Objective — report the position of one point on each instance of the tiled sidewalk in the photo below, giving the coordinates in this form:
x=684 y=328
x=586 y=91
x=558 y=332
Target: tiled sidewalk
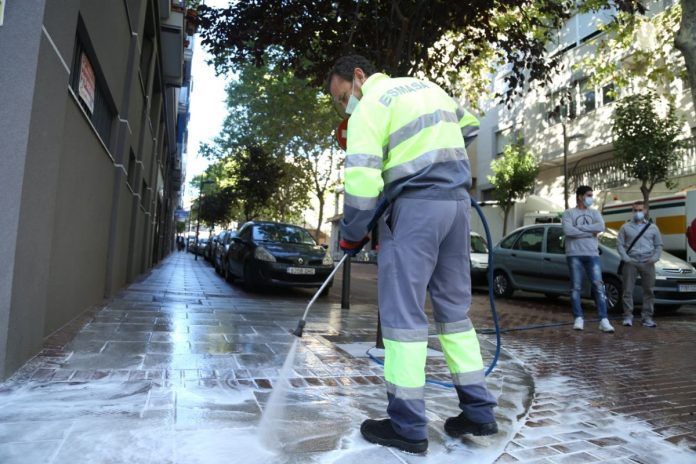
x=178 y=368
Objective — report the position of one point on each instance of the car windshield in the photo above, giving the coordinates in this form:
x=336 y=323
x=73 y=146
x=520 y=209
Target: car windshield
x=282 y=234
x=608 y=238
x=478 y=244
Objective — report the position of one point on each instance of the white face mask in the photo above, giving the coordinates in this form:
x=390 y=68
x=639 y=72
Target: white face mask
x=639 y=216
x=588 y=201
x=352 y=101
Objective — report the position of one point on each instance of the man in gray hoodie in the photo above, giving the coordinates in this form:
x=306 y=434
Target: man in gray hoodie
x=581 y=226
x=639 y=260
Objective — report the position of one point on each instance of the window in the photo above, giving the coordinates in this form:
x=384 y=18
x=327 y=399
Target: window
x=131 y=170
x=502 y=139
x=555 y=241
x=487 y=194
x=87 y=83
x=507 y=242
x=608 y=94
x=143 y=195
x=506 y=137
x=282 y=234
x=478 y=244
x=530 y=240
x=587 y=96
x=562 y=105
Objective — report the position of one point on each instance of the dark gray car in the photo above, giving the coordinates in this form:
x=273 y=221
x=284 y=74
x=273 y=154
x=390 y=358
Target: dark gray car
x=533 y=259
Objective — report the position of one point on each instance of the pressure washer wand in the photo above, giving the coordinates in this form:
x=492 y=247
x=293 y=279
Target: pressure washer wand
x=381 y=208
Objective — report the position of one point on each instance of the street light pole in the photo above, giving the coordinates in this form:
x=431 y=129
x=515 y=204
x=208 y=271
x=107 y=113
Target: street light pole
x=566 y=142
x=198 y=213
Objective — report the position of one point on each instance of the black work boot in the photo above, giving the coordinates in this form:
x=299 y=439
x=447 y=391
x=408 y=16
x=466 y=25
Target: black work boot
x=382 y=433
x=460 y=425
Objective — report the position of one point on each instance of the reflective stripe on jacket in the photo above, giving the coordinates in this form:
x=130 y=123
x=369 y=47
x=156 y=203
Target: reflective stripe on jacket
x=406 y=138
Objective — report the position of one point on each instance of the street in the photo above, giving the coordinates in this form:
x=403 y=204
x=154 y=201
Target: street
x=179 y=367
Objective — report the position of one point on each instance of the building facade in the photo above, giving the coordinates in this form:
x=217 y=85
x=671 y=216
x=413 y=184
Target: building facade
x=91 y=166
x=573 y=139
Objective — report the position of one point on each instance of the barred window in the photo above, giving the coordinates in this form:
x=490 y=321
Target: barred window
x=88 y=84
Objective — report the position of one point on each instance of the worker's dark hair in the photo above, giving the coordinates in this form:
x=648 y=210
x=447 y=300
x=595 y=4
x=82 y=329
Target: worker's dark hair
x=344 y=67
x=639 y=202
x=582 y=190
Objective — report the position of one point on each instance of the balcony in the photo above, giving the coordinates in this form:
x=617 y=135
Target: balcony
x=608 y=174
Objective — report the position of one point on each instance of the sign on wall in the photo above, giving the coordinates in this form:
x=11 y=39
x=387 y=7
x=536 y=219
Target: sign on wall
x=87 y=83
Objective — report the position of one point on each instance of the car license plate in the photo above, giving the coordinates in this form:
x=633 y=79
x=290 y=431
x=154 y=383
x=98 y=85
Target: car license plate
x=687 y=288
x=301 y=270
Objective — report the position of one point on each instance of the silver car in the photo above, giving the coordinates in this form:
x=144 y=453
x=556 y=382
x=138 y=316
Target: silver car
x=533 y=259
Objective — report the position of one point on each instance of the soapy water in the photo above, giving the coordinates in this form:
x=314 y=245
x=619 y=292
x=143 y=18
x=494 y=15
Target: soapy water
x=274 y=411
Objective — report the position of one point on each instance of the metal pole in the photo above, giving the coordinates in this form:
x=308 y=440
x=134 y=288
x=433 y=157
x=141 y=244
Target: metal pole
x=198 y=218
x=565 y=166
x=345 y=291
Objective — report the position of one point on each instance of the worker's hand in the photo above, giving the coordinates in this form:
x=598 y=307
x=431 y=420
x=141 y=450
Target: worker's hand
x=352 y=248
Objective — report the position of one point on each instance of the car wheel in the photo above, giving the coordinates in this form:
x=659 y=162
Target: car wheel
x=226 y=274
x=502 y=287
x=327 y=290
x=612 y=291
x=249 y=283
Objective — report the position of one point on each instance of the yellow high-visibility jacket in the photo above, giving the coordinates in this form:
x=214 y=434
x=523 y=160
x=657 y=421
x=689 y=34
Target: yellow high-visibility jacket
x=406 y=138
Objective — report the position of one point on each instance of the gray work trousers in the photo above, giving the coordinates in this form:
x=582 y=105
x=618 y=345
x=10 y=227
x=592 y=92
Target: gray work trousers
x=647 y=276
x=424 y=246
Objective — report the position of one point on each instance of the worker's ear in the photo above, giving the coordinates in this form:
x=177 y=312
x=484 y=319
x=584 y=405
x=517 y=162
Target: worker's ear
x=359 y=75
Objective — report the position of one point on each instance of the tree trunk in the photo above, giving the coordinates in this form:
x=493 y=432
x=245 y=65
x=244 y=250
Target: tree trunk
x=506 y=211
x=321 y=216
x=646 y=198
x=685 y=42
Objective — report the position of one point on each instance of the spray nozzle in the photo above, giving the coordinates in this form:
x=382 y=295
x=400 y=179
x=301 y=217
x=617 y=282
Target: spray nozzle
x=300 y=328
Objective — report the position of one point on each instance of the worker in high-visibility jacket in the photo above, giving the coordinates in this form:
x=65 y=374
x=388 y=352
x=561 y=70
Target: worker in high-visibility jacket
x=406 y=141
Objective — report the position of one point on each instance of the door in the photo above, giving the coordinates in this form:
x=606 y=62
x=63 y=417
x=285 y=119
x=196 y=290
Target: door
x=526 y=259
x=554 y=261
x=238 y=250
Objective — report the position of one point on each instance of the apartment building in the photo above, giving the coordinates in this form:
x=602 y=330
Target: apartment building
x=94 y=122
x=573 y=138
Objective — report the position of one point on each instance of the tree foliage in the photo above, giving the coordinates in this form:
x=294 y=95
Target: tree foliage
x=514 y=174
x=645 y=142
x=270 y=108
x=638 y=50
x=437 y=38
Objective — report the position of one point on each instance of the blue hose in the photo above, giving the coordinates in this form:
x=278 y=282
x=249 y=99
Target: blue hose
x=491 y=299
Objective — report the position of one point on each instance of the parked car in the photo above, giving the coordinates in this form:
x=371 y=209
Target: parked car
x=533 y=259
x=208 y=249
x=220 y=248
x=271 y=253
x=200 y=248
x=478 y=259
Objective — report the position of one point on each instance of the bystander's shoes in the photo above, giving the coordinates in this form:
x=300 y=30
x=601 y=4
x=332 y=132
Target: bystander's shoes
x=605 y=326
x=628 y=322
x=579 y=323
x=648 y=322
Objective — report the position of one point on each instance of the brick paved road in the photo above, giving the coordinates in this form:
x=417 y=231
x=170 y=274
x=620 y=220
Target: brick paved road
x=179 y=366
x=595 y=392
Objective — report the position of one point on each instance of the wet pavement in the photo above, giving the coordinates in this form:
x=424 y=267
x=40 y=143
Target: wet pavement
x=179 y=367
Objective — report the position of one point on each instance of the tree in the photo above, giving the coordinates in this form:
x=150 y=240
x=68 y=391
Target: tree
x=256 y=180
x=437 y=38
x=685 y=41
x=514 y=174
x=645 y=142
x=270 y=107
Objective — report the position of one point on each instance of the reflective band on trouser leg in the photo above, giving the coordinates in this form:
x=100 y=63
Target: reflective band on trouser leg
x=463 y=356
x=404 y=372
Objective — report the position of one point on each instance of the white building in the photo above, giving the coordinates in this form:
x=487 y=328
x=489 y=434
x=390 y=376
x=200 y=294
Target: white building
x=590 y=157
